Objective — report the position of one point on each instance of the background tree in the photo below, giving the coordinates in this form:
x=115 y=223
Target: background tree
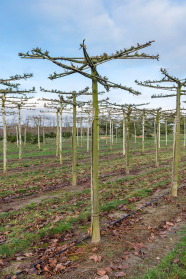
x=177 y=87
x=12 y=88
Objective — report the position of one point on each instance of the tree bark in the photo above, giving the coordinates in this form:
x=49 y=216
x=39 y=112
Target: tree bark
x=110 y=133
x=17 y=136
x=43 y=136
x=166 y=131
x=4 y=134
x=60 y=135
x=20 y=141
x=134 y=132
x=157 y=138
x=143 y=132
x=88 y=123
x=74 y=163
x=106 y=132
x=95 y=229
x=81 y=133
x=57 y=134
x=184 y=132
x=38 y=134
x=176 y=143
x=25 y=137
x=127 y=143
x=123 y=133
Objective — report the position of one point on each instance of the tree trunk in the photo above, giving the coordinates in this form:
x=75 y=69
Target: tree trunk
x=74 y=142
x=166 y=131
x=43 y=136
x=98 y=134
x=38 y=135
x=25 y=137
x=81 y=133
x=57 y=134
x=88 y=123
x=4 y=134
x=159 y=134
x=20 y=142
x=110 y=134
x=157 y=138
x=184 y=132
x=123 y=133
x=95 y=230
x=106 y=132
x=176 y=143
x=154 y=133
x=134 y=132
x=60 y=135
x=17 y=136
x=127 y=143
x=77 y=135
x=143 y=132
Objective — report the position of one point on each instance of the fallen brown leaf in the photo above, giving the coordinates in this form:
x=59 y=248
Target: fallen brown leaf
x=96 y=258
x=101 y=271
x=103 y=277
x=119 y=274
x=126 y=266
x=176 y=260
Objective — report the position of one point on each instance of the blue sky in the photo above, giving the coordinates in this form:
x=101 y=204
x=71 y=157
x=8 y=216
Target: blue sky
x=107 y=25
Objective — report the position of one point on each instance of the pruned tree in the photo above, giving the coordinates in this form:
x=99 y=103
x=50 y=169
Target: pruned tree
x=12 y=88
x=88 y=62
x=178 y=91
x=20 y=103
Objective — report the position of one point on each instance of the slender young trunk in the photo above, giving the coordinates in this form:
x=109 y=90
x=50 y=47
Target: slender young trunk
x=143 y=133
x=166 y=131
x=159 y=134
x=57 y=134
x=110 y=134
x=77 y=135
x=154 y=133
x=25 y=137
x=43 y=136
x=4 y=134
x=95 y=230
x=123 y=133
x=74 y=142
x=176 y=144
x=60 y=135
x=98 y=134
x=116 y=135
x=127 y=143
x=134 y=132
x=81 y=133
x=106 y=132
x=184 y=131
x=17 y=136
x=20 y=142
x=38 y=135
x=88 y=123
x=157 y=138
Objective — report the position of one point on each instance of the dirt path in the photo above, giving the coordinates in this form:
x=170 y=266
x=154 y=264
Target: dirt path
x=36 y=198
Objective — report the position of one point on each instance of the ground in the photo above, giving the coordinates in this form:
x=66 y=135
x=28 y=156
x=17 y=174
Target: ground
x=42 y=214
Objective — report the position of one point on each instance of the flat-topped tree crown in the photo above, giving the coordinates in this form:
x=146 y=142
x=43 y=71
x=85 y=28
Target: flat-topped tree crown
x=90 y=62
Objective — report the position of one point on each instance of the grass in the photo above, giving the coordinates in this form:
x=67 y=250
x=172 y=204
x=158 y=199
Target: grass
x=173 y=265
x=23 y=223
